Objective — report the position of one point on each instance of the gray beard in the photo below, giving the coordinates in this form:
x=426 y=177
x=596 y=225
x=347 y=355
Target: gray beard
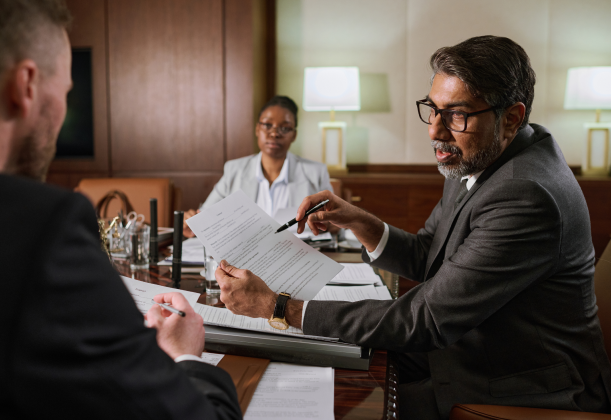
x=478 y=162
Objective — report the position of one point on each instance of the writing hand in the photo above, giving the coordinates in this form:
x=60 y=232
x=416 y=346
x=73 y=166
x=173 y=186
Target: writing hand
x=367 y=228
x=177 y=335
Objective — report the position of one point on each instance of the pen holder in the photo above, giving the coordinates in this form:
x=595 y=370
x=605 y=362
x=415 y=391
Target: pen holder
x=138 y=247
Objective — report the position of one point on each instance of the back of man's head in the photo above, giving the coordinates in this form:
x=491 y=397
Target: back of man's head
x=493 y=68
x=32 y=29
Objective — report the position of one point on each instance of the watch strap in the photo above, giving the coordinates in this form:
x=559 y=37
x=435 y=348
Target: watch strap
x=280 y=307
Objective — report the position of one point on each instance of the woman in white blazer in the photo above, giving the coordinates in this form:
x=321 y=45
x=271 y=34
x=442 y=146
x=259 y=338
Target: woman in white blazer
x=274 y=178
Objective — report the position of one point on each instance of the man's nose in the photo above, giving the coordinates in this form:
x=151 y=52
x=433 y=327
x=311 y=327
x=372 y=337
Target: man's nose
x=438 y=131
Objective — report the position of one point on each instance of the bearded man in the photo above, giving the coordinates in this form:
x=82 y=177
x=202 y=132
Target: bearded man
x=73 y=344
x=505 y=313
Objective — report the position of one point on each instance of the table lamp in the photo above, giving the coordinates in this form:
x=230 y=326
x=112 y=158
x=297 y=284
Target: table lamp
x=332 y=89
x=590 y=88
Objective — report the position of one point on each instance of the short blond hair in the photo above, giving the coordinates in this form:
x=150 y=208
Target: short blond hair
x=32 y=29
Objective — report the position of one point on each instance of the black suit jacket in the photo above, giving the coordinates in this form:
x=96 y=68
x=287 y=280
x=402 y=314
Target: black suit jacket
x=506 y=310
x=72 y=343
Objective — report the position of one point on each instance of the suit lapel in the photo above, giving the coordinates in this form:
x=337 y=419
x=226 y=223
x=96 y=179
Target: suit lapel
x=298 y=183
x=450 y=214
x=249 y=183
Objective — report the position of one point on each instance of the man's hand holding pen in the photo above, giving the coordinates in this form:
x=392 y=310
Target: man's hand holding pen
x=337 y=212
x=177 y=335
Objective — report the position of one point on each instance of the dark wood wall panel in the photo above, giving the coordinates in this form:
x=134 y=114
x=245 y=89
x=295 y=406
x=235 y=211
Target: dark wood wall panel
x=239 y=120
x=598 y=196
x=406 y=199
x=166 y=84
x=89 y=30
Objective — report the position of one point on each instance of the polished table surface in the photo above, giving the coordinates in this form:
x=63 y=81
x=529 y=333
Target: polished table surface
x=358 y=394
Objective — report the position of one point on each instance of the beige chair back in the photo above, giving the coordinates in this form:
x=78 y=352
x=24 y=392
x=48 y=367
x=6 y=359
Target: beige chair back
x=139 y=191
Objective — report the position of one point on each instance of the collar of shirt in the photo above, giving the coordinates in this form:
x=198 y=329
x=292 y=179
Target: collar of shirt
x=282 y=178
x=471 y=179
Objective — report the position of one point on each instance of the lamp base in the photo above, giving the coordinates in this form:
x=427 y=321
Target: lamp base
x=596 y=160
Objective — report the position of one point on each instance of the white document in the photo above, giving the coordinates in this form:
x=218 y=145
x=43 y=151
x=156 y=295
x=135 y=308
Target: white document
x=347 y=293
x=211 y=358
x=223 y=317
x=142 y=293
x=288 y=391
x=360 y=273
x=192 y=253
x=237 y=230
x=383 y=293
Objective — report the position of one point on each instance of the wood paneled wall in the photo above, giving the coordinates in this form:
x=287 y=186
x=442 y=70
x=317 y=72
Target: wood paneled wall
x=405 y=195
x=173 y=90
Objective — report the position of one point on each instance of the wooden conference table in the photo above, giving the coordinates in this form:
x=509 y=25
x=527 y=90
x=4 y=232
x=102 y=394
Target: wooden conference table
x=361 y=395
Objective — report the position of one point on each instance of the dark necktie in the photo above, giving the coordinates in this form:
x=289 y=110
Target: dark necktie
x=461 y=192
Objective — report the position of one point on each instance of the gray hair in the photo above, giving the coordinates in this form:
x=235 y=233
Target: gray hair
x=493 y=68
x=32 y=29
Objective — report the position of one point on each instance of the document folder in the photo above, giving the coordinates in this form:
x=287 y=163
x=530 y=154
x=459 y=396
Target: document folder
x=283 y=348
x=245 y=373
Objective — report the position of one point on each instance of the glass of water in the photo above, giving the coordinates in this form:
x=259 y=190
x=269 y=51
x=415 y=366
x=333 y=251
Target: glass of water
x=212 y=286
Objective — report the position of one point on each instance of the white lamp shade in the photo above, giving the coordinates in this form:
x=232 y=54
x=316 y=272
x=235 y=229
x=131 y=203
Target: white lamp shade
x=588 y=88
x=331 y=88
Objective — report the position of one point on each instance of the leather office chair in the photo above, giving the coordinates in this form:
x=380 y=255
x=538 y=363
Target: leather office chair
x=602 y=284
x=139 y=191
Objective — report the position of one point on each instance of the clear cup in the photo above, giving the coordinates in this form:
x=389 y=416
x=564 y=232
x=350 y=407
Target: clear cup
x=212 y=286
x=137 y=247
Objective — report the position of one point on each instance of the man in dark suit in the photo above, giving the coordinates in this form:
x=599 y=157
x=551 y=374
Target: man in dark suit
x=506 y=312
x=73 y=344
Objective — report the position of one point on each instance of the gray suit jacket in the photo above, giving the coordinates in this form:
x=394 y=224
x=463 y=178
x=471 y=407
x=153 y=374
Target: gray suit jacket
x=506 y=310
x=306 y=177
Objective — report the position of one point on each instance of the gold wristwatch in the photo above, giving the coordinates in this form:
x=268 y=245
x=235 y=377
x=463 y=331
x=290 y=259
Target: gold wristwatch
x=278 y=320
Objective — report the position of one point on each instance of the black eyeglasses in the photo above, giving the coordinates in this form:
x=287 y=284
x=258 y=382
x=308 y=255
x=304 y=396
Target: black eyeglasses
x=452 y=120
x=282 y=130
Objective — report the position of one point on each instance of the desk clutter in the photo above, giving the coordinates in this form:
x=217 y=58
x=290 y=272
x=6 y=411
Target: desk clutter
x=265 y=390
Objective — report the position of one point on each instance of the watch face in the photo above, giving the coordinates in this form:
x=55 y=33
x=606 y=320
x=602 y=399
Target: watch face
x=278 y=324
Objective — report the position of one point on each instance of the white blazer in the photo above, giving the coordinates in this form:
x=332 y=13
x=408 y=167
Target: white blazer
x=306 y=177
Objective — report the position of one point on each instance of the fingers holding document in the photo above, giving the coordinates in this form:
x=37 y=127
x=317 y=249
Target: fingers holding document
x=244 y=293
x=176 y=335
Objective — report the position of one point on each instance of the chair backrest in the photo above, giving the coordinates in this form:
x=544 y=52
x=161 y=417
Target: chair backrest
x=139 y=191
x=602 y=284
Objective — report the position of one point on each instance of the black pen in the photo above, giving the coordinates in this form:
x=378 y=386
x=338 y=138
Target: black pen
x=312 y=210
x=169 y=308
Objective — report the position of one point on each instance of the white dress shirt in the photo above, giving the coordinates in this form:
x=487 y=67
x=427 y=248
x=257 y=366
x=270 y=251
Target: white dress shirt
x=375 y=254
x=276 y=196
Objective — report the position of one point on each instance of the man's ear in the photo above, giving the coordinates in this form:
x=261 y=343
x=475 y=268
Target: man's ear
x=513 y=117
x=23 y=88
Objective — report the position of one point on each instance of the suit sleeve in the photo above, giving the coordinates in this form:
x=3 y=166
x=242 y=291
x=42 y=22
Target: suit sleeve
x=86 y=351
x=222 y=188
x=514 y=241
x=406 y=254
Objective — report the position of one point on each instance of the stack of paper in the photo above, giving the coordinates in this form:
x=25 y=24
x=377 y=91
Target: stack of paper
x=143 y=293
x=357 y=274
x=192 y=253
x=290 y=391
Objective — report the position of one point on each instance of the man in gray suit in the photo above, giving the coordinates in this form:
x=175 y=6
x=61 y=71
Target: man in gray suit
x=506 y=312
